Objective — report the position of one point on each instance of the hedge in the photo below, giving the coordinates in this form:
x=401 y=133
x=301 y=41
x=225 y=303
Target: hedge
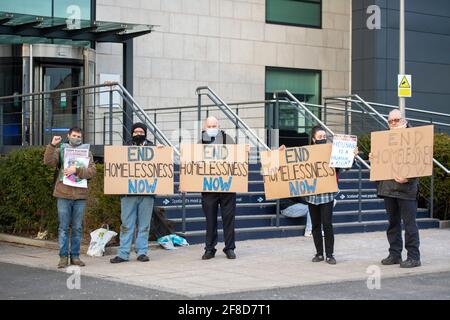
x=27 y=205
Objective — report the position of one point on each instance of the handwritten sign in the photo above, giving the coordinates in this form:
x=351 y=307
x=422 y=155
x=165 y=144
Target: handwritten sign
x=342 y=152
x=79 y=158
x=213 y=168
x=298 y=172
x=138 y=170
x=406 y=153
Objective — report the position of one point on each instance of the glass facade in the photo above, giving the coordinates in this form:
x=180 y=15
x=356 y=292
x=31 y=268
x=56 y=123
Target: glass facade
x=306 y=13
x=76 y=9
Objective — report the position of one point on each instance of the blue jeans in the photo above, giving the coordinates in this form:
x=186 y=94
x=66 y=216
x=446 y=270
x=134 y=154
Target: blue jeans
x=70 y=213
x=135 y=210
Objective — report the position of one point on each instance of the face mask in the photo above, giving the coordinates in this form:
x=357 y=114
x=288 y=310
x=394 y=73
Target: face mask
x=75 y=141
x=323 y=141
x=212 y=132
x=401 y=126
x=139 y=139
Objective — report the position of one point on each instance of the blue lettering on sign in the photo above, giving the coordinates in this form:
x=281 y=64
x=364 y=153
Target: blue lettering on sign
x=298 y=188
x=216 y=184
x=140 y=186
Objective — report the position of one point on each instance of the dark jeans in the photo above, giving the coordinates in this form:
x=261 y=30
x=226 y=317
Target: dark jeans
x=397 y=210
x=210 y=205
x=321 y=217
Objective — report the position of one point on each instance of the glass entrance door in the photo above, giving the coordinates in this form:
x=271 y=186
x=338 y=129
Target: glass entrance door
x=61 y=110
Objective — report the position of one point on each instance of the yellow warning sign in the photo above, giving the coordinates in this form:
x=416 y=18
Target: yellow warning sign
x=404 y=85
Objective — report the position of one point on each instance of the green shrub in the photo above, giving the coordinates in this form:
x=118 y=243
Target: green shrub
x=26 y=202
x=441 y=179
x=27 y=205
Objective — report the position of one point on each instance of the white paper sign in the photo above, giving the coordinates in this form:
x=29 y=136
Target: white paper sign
x=78 y=158
x=342 y=152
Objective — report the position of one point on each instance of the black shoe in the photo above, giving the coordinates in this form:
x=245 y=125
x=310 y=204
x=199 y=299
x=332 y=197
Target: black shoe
x=143 y=258
x=390 y=259
x=410 y=263
x=117 y=259
x=331 y=260
x=317 y=258
x=209 y=254
x=230 y=254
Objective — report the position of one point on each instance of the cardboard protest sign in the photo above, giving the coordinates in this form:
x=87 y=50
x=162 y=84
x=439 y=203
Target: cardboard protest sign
x=213 y=168
x=138 y=170
x=406 y=153
x=79 y=158
x=342 y=152
x=298 y=172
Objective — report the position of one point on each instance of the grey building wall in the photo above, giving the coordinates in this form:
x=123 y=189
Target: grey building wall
x=375 y=53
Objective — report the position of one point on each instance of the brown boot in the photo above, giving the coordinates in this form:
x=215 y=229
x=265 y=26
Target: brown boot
x=63 y=262
x=77 y=262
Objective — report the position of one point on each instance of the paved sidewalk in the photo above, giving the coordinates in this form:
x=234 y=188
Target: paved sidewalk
x=260 y=264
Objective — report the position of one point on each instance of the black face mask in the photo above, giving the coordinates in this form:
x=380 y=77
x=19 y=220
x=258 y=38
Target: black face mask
x=323 y=141
x=139 y=139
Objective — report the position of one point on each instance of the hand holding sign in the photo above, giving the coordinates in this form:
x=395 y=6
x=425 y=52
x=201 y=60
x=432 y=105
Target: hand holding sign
x=70 y=170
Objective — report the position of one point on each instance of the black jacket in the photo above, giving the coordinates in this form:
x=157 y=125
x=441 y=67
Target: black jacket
x=393 y=189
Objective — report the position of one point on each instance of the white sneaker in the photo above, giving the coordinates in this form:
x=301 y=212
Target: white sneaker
x=308 y=233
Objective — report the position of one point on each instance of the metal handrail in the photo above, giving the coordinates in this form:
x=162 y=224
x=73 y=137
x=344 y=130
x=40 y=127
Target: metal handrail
x=238 y=121
x=395 y=107
x=440 y=165
x=297 y=104
x=148 y=119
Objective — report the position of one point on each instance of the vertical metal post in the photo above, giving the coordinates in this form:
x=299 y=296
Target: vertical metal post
x=276 y=143
x=183 y=212
x=237 y=127
x=110 y=116
x=154 y=121
x=324 y=115
x=359 y=192
x=401 y=101
x=199 y=117
x=128 y=84
x=346 y=118
x=432 y=194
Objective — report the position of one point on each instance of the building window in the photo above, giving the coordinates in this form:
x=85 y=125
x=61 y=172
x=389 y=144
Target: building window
x=306 y=13
x=305 y=85
x=49 y=8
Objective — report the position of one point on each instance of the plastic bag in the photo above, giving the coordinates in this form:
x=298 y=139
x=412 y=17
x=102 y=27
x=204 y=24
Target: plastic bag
x=166 y=242
x=170 y=241
x=178 y=241
x=99 y=239
x=295 y=211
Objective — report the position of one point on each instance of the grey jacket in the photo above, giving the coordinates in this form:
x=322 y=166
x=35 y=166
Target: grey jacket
x=393 y=189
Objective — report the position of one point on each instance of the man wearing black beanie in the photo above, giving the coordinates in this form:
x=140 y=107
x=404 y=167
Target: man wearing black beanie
x=135 y=209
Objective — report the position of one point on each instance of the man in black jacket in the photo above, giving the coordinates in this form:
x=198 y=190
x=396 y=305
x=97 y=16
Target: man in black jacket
x=400 y=200
x=211 y=200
